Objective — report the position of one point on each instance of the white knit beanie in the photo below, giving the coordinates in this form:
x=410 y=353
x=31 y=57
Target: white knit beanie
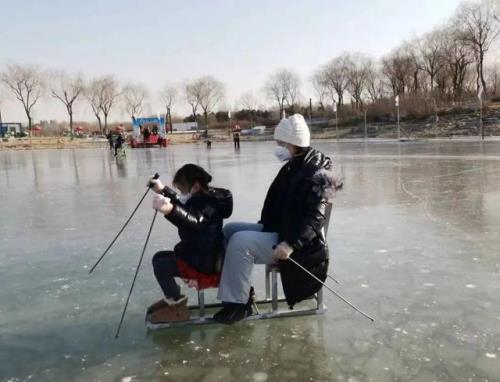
x=293 y=130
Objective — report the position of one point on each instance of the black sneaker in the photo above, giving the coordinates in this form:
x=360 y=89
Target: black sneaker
x=232 y=312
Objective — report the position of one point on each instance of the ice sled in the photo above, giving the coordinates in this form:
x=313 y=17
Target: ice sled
x=272 y=306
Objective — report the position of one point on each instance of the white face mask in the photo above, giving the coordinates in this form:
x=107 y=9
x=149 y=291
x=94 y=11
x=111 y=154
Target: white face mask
x=282 y=153
x=183 y=198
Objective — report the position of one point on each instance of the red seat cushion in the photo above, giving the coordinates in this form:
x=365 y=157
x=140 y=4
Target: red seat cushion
x=197 y=279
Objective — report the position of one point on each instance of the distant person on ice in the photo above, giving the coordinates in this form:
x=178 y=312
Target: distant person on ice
x=291 y=222
x=120 y=140
x=109 y=137
x=198 y=213
x=146 y=133
x=236 y=138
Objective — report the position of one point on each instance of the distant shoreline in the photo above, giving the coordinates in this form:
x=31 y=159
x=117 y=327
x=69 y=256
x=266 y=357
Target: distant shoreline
x=88 y=143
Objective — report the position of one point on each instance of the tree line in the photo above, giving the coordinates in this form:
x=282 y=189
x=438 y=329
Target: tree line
x=28 y=83
x=444 y=65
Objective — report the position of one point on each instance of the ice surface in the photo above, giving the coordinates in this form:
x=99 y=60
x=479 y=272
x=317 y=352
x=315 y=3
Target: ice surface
x=414 y=229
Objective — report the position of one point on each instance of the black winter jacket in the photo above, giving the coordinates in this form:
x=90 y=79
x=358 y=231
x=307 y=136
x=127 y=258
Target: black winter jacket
x=295 y=208
x=200 y=228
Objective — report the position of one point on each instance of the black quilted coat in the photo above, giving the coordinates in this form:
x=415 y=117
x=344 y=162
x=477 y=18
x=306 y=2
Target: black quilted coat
x=295 y=208
x=199 y=222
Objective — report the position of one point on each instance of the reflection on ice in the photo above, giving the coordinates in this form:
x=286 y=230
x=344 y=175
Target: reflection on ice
x=412 y=217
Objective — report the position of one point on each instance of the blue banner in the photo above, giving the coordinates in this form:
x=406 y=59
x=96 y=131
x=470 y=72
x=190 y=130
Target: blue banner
x=138 y=122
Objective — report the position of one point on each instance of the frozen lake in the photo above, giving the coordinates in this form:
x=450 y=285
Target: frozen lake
x=414 y=239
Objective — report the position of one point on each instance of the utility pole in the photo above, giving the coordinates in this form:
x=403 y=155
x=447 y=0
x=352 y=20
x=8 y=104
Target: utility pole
x=396 y=101
x=436 y=118
x=170 y=121
x=480 y=98
x=310 y=113
x=366 y=129
x=481 y=127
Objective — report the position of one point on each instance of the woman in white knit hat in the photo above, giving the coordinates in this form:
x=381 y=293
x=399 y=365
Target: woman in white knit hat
x=291 y=225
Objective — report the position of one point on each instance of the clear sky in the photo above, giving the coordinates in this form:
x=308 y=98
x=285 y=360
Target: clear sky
x=238 y=42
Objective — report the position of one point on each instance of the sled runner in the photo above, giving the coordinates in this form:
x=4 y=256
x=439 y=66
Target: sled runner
x=272 y=306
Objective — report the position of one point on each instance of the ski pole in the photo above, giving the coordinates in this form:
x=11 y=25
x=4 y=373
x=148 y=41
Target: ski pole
x=135 y=275
x=156 y=176
x=333 y=278
x=331 y=290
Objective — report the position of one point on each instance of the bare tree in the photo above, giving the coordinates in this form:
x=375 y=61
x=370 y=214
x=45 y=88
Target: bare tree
x=480 y=29
x=248 y=101
x=374 y=84
x=168 y=95
x=66 y=88
x=409 y=53
x=27 y=84
x=320 y=87
x=357 y=66
x=293 y=90
x=209 y=91
x=492 y=73
x=2 y=99
x=276 y=91
x=192 y=94
x=432 y=55
x=336 y=80
x=133 y=99
x=94 y=95
x=457 y=57
x=284 y=87
x=395 y=69
x=110 y=93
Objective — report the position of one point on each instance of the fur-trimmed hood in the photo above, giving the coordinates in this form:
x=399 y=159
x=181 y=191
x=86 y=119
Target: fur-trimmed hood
x=325 y=179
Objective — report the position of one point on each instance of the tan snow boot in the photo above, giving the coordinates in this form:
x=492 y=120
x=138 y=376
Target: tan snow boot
x=160 y=304
x=171 y=313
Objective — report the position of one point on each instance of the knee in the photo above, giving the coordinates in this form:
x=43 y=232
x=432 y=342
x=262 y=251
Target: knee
x=157 y=258
x=238 y=245
x=229 y=229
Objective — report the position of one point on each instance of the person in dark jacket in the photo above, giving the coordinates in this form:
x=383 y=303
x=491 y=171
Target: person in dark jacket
x=109 y=137
x=120 y=140
x=291 y=225
x=198 y=213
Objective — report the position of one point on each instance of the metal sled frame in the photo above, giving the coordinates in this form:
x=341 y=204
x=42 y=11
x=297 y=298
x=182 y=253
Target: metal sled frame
x=266 y=308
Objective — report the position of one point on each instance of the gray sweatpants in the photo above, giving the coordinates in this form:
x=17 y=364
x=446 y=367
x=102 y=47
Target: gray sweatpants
x=247 y=245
